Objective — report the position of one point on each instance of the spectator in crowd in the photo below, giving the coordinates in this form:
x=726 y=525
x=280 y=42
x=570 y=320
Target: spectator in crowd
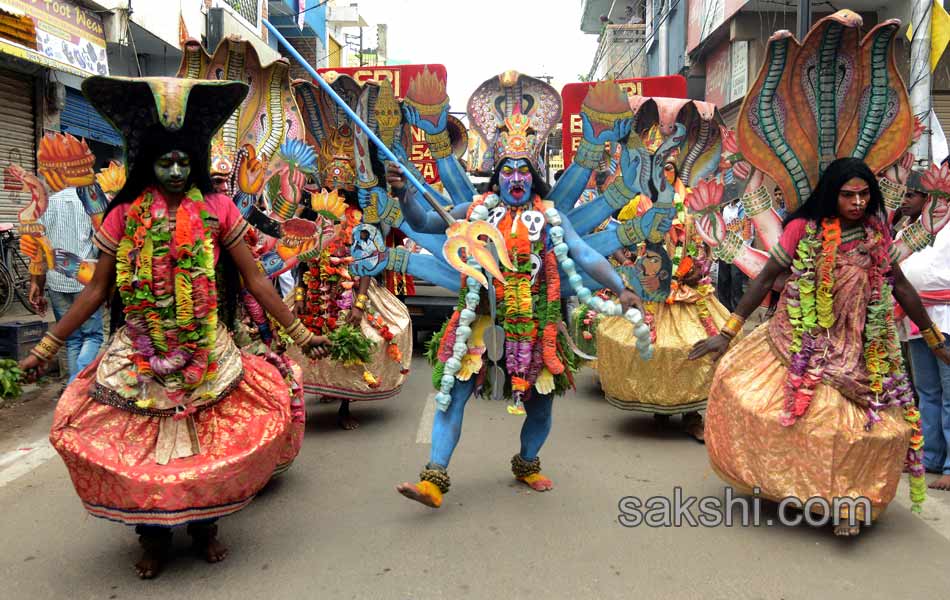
x=69 y=228
x=730 y=281
x=928 y=270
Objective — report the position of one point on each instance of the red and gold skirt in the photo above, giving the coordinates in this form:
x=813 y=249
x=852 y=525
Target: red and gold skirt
x=235 y=445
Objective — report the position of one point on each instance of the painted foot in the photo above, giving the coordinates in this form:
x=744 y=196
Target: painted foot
x=348 y=423
x=537 y=482
x=941 y=484
x=846 y=530
x=693 y=425
x=424 y=492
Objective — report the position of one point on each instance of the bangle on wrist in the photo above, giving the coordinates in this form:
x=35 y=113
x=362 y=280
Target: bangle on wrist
x=933 y=336
x=733 y=326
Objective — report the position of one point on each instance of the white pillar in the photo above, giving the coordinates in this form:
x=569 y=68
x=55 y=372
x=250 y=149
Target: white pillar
x=919 y=84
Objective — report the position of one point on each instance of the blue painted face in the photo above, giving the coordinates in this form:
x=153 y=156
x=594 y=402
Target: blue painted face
x=514 y=181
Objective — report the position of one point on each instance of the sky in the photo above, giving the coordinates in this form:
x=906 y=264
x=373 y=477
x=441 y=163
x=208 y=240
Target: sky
x=479 y=39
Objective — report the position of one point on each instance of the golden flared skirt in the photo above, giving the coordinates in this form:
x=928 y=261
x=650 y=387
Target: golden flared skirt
x=827 y=453
x=669 y=383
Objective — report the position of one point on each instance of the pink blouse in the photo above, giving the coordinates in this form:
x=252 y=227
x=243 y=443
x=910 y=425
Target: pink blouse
x=227 y=225
x=784 y=251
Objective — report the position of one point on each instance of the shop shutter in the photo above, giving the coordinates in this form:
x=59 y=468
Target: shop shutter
x=17 y=136
x=81 y=120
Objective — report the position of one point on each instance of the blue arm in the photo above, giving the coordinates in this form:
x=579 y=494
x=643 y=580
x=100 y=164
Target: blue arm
x=435 y=270
x=422 y=220
x=590 y=261
x=455 y=180
x=569 y=187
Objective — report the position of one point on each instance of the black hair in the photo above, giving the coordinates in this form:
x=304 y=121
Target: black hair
x=558 y=174
x=666 y=263
x=538 y=184
x=142 y=175
x=823 y=202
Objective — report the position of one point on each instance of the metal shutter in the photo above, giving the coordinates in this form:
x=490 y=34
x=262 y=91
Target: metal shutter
x=17 y=136
x=941 y=106
x=81 y=120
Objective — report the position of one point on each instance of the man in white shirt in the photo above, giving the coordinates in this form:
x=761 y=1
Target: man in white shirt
x=928 y=270
x=69 y=228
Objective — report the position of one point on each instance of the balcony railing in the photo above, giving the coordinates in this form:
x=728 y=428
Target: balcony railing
x=620 y=53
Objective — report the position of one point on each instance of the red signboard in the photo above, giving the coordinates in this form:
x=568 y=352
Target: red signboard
x=399 y=75
x=573 y=94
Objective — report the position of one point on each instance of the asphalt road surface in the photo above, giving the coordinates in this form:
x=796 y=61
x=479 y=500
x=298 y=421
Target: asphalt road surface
x=333 y=527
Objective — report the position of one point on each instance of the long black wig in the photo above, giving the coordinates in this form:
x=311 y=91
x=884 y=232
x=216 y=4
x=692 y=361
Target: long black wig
x=823 y=202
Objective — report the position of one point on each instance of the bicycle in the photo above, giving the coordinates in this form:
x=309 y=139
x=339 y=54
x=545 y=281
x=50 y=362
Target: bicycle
x=14 y=271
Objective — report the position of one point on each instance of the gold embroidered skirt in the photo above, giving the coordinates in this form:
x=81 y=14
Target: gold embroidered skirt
x=145 y=469
x=826 y=453
x=333 y=380
x=668 y=383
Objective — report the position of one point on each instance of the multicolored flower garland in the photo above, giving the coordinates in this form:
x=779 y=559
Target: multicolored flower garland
x=171 y=305
x=810 y=306
x=542 y=360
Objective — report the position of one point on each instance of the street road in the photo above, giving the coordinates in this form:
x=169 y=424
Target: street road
x=332 y=527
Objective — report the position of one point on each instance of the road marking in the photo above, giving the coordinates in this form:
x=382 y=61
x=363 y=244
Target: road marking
x=21 y=461
x=424 y=432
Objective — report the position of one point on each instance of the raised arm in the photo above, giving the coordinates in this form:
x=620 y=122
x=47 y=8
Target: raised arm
x=413 y=212
x=451 y=173
x=569 y=187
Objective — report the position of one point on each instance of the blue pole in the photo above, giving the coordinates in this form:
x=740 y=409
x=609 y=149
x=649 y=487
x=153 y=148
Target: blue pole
x=349 y=112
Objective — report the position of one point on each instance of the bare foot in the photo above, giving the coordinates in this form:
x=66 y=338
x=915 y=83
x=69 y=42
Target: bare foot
x=941 y=484
x=206 y=543
x=343 y=418
x=423 y=492
x=693 y=424
x=149 y=566
x=537 y=482
x=348 y=423
x=157 y=551
x=846 y=530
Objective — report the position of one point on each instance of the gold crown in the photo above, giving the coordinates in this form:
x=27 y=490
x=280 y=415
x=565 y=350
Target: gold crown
x=516 y=140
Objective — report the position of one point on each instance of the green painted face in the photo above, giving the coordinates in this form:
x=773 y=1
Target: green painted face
x=172 y=170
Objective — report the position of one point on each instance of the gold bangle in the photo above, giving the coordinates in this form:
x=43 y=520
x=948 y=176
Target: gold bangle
x=933 y=336
x=359 y=305
x=733 y=326
x=362 y=297
x=47 y=348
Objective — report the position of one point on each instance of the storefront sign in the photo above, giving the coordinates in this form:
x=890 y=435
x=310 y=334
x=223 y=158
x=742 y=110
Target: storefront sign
x=573 y=94
x=399 y=76
x=69 y=38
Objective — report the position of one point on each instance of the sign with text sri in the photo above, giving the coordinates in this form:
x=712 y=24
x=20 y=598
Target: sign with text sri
x=573 y=94
x=399 y=75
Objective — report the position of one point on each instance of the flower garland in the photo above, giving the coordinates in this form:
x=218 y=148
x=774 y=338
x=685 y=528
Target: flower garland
x=810 y=306
x=329 y=294
x=170 y=303
x=544 y=359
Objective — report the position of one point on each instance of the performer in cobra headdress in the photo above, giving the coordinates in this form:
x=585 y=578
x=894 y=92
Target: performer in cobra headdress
x=520 y=311
x=670 y=273
x=173 y=424
x=339 y=296
x=816 y=403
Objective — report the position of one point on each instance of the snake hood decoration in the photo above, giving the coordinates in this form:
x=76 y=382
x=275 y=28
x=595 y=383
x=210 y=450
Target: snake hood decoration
x=266 y=119
x=831 y=96
x=187 y=112
x=329 y=130
x=513 y=114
